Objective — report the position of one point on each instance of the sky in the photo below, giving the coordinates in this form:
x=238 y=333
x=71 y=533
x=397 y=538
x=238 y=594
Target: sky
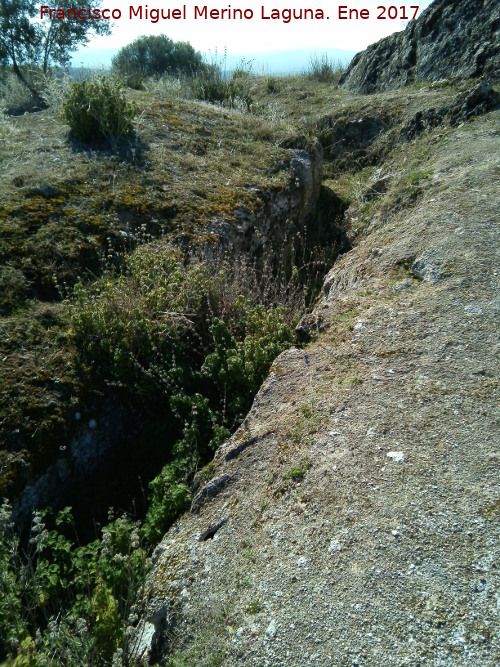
x=257 y=36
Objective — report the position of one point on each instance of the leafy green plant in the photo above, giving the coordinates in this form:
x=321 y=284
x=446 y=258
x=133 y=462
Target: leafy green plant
x=63 y=603
x=170 y=495
x=238 y=366
x=297 y=473
x=97 y=112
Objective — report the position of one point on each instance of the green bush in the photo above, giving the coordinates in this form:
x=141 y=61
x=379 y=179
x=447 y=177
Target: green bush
x=155 y=55
x=212 y=86
x=65 y=604
x=238 y=367
x=170 y=496
x=97 y=112
x=188 y=342
x=135 y=81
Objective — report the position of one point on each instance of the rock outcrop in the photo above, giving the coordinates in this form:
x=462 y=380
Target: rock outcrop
x=353 y=517
x=467 y=104
x=452 y=39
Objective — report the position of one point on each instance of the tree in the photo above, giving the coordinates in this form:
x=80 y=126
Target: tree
x=59 y=37
x=153 y=55
x=24 y=40
x=18 y=35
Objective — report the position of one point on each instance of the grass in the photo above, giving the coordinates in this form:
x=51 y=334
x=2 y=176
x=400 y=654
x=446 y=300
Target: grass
x=72 y=216
x=69 y=214
x=99 y=204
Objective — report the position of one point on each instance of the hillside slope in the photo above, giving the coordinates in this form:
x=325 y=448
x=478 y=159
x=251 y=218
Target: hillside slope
x=353 y=518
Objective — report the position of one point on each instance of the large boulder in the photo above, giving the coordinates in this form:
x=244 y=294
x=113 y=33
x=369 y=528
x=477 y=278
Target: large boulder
x=452 y=39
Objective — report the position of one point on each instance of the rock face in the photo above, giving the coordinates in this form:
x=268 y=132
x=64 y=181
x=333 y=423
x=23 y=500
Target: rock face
x=353 y=517
x=451 y=39
x=280 y=215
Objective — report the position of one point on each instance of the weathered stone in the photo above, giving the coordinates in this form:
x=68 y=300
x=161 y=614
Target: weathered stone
x=45 y=190
x=470 y=103
x=346 y=140
x=309 y=325
x=212 y=489
x=428 y=267
x=279 y=217
x=450 y=40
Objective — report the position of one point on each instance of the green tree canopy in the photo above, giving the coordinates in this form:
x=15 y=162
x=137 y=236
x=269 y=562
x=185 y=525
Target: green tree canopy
x=154 y=55
x=24 y=40
x=58 y=38
x=18 y=35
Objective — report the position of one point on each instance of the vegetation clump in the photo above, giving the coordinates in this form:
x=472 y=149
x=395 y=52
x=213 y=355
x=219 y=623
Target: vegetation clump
x=156 y=55
x=97 y=111
x=322 y=68
x=188 y=342
x=212 y=86
x=62 y=603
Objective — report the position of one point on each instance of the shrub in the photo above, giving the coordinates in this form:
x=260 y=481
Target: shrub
x=65 y=604
x=55 y=85
x=212 y=86
x=324 y=69
x=186 y=341
x=15 y=97
x=155 y=55
x=97 y=112
x=238 y=367
x=170 y=495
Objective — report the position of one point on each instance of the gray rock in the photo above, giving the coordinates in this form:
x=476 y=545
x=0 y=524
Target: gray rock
x=146 y=638
x=479 y=100
x=212 y=489
x=346 y=140
x=46 y=191
x=452 y=39
x=428 y=267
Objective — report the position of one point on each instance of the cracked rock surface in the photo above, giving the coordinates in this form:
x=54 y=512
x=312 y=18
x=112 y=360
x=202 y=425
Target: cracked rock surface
x=358 y=521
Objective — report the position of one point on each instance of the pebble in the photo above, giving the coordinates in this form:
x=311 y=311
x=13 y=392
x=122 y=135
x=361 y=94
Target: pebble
x=271 y=630
x=397 y=457
x=334 y=545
